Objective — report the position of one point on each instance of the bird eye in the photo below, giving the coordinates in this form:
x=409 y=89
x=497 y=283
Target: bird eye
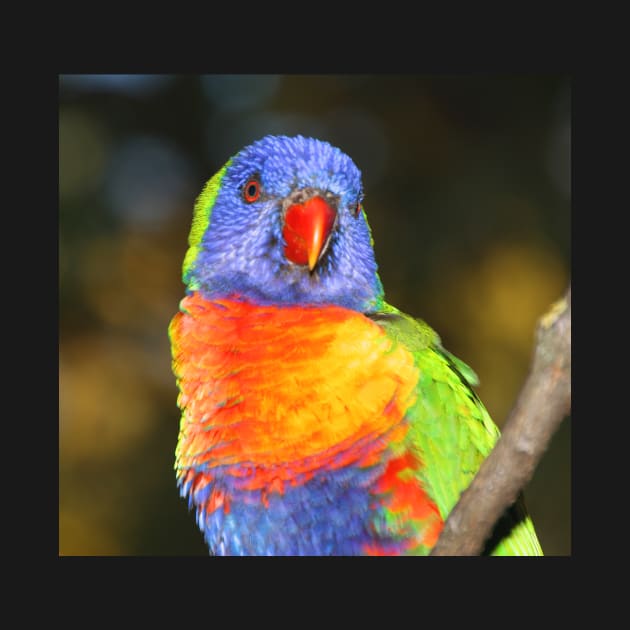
x=251 y=191
x=357 y=209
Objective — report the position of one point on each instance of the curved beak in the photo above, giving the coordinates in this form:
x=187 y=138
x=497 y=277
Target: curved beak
x=307 y=230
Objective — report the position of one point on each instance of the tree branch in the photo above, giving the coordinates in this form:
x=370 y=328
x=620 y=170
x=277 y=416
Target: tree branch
x=544 y=401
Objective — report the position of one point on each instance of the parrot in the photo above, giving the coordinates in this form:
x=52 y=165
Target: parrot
x=316 y=418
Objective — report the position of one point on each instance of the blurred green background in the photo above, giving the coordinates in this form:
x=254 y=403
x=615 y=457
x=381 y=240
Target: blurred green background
x=467 y=182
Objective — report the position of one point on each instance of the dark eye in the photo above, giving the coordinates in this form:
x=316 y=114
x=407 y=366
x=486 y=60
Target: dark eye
x=251 y=190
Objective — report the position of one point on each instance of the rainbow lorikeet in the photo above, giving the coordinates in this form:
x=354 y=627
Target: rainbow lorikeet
x=316 y=418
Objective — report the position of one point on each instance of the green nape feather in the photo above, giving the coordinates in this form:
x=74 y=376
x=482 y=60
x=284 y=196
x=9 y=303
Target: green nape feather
x=201 y=220
x=451 y=432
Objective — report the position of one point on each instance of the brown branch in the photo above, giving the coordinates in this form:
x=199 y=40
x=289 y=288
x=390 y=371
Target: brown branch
x=544 y=401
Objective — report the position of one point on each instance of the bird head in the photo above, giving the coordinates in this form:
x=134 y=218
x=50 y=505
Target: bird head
x=283 y=223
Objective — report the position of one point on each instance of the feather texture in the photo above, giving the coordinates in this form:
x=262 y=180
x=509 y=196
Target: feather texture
x=316 y=418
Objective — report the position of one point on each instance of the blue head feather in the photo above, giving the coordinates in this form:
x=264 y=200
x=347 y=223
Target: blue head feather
x=242 y=249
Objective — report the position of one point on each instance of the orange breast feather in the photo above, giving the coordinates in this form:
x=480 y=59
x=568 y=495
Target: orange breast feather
x=274 y=385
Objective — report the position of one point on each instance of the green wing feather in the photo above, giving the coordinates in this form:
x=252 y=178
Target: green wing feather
x=450 y=430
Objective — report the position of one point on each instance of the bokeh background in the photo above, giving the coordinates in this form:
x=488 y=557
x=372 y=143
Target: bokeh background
x=467 y=182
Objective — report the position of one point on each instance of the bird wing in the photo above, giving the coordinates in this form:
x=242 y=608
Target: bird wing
x=450 y=432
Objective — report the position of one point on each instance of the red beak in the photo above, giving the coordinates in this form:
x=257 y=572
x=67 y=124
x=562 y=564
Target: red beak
x=307 y=228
